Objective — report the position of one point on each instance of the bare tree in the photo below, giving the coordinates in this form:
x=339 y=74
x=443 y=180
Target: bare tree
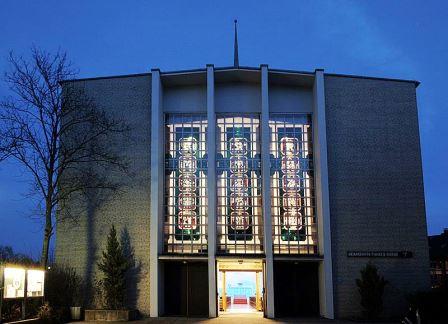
x=57 y=133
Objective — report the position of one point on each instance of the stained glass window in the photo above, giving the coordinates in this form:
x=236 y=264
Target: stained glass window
x=293 y=217
x=185 y=185
x=239 y=217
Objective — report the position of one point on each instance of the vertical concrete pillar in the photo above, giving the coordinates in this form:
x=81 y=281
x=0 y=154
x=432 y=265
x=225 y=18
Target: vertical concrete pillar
x=224 y=294
x=257 y=291
x=322 y=197
x=266 y=191
x=2 y=284
x=211 y=190
x=157 y=169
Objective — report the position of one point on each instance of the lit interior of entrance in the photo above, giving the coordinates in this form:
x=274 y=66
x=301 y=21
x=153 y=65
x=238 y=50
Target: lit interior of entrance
x=240 y=287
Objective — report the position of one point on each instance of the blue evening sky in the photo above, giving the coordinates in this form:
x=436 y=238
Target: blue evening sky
x=397 y=39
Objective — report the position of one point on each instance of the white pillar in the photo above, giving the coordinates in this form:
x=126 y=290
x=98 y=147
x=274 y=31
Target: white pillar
x=266 y=191
x=322 y=197
x=2 y=284
x=211 y=191
x=156 y=223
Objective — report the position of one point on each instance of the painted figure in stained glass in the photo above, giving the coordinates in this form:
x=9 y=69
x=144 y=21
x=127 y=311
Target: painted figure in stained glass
x=187 y=201
x=188 y=164
x=291 y=182
x=187 y=220
x=239 y=220
x=289 y=146
x=292 y=200
x=290 y=165
x=238 y=146
x=188 y=146
x=187 y=182
x=292 y=220
x=239 y=201
x=239 y=183
x=238 y=164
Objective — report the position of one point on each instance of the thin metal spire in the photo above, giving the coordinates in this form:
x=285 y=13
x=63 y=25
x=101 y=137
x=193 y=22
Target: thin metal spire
x=236 y=62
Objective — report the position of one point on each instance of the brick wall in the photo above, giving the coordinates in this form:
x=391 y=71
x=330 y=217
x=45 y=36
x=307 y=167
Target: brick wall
x=81 y=242
x=376 y=188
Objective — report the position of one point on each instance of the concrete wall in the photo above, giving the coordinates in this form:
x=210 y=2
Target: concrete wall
x=376 y=188
x=190 y=99
x=80 y=243
x=237 y=97
x=290 y=99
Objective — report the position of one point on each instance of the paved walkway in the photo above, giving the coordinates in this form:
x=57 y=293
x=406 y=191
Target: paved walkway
x=239 y=319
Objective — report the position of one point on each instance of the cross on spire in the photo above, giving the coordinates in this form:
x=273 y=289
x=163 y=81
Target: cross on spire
x=236 y=62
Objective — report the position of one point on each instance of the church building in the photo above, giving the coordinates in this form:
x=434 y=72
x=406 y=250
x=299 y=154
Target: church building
x=259 y=190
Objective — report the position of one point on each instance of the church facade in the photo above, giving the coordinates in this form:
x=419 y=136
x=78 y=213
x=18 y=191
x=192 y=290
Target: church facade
x=260 y=190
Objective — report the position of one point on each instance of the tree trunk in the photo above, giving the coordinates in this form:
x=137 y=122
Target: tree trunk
x=47 y=235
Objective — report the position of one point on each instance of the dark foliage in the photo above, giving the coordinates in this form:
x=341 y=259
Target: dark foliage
x=46 y=313
x=50 y=315
x=371 y=288
x=11 y=310
x=7 y=255
x=432 y=305
x=114 y=265
x=63 y=287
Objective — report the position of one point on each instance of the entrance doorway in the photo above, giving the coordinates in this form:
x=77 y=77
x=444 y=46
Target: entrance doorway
x=296 y=289
x=240 y=287
x=185 y=290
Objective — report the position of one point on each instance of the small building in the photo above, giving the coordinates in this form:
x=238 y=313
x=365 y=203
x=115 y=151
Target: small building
x=438 y=255
x=260 y=190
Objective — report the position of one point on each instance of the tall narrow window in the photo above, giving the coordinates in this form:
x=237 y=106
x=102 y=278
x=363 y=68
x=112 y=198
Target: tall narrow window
x=239 y=217
x=294 y=221
x=185 y=184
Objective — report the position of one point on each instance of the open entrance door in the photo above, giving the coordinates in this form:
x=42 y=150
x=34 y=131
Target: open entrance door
x=240 y=287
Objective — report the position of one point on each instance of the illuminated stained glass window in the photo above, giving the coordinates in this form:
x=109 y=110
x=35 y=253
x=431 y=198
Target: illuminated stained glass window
x=239 y=217
x=185 y=225
x=293 y=217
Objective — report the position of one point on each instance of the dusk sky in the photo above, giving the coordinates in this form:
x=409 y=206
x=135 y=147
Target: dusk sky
x=394 y=39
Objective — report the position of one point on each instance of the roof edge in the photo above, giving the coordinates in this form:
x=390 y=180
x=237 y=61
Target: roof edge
x=106 y=77
x=415 y=82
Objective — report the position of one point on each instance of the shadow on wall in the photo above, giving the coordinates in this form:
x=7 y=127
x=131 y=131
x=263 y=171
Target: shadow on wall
x=94 y=200
x=133 y=274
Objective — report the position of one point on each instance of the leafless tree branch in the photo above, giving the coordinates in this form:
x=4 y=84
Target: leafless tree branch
x=57 y=133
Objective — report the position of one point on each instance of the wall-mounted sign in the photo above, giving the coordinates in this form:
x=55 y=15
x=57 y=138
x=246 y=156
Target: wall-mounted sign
x=14 y=284
x=380 y=254
x=35 y=283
